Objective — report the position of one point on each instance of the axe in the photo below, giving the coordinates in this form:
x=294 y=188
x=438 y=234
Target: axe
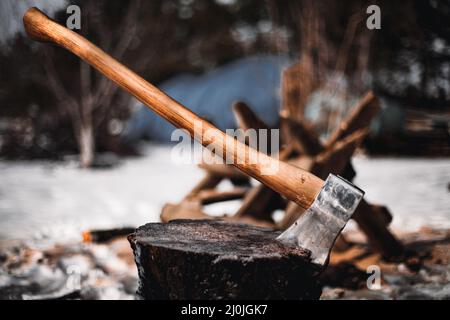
x=329 y=204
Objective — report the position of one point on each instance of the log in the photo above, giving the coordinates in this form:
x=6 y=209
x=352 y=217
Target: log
x=209 y=196
x=378 y=235
x=383 y=213
x=253 y=209
x=335 y=159
x=303 y=136
x=341 y=244
x=209 y=181
x=193 y=210
x=298 y=82
x=292 y=213
x=360 y=117
x=223 y=170
x=184 y=210
x=206 y=259
x=246 y=118
x=259 y=203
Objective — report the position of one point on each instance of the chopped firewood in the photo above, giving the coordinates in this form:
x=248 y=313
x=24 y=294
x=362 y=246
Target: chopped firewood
x=208 y=182
x=378 y=235
x=304 y=162
x=360 y=117
x=298 y=82
x=335 y=159
x=292 y=213
x=304 y=138
x=303 y=148
x=251 y=221
x=193 y=210
x=209 y=196
x=259 y=203
x=246 y=118
x=383 y=213
x=341 y=244
x=349 y=172
x=183 y=210
x=233 y=261
x=252 y=204
x=372 y=220
x=240 y=182
x=223 y=170
x=332 y=160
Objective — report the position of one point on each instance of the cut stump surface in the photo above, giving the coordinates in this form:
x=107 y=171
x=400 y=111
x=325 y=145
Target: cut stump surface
x=204 y=259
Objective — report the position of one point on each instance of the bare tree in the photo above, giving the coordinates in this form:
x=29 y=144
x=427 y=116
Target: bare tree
x=96 y=93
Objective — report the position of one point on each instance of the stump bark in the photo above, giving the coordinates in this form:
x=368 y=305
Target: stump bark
x=204 y=259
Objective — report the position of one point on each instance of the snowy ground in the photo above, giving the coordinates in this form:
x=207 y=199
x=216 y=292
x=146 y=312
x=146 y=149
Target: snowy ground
x=56 y=201
x=415 y=190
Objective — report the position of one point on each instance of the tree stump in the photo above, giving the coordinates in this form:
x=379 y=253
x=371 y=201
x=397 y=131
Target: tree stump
x=209 y=259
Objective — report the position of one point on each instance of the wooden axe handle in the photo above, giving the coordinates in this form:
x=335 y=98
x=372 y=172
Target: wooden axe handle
x=296 y=184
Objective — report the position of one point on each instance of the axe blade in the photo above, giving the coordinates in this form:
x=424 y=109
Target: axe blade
x=318 y=228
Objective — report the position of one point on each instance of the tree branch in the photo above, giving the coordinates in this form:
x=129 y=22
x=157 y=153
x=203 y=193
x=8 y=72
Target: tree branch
x=65 y=100
x=106 y=88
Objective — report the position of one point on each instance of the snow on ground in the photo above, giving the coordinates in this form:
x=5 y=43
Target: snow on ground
x=415 y=190
x=56 y=201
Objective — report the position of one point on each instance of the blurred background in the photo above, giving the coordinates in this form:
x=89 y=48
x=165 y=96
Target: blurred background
x=79 y=153
x=82 y=163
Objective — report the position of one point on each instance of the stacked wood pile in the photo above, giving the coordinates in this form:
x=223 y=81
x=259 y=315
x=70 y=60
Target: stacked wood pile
x=301 y=146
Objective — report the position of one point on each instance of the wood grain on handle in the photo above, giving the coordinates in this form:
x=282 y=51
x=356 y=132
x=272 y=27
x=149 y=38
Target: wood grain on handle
x=294 y=183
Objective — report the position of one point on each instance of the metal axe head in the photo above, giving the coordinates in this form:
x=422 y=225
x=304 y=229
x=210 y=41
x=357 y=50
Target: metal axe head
x=318 y=228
